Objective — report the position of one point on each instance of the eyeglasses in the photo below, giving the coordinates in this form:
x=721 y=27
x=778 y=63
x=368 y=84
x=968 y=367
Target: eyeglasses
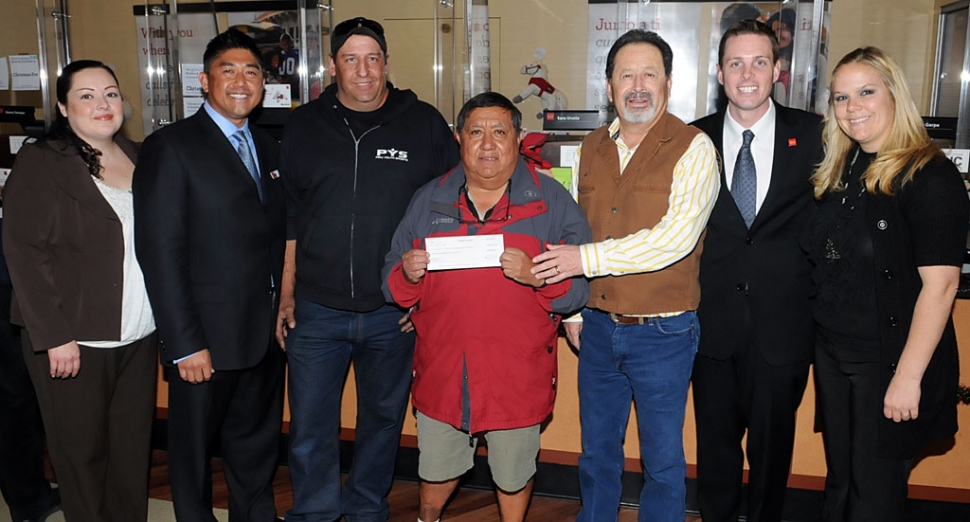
x=347 y=26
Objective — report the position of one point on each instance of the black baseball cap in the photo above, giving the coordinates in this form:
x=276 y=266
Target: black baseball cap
x=359 y=25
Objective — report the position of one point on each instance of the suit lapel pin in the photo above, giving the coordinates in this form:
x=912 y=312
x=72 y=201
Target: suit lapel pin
x=275 y=174
x=792 y=142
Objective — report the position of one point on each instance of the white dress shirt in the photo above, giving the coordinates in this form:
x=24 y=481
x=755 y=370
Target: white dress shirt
x=762 y=149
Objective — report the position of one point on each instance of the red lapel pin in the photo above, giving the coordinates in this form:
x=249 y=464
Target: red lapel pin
x=792 y=142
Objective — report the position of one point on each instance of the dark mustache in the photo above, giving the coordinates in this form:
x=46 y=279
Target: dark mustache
x=637 y=95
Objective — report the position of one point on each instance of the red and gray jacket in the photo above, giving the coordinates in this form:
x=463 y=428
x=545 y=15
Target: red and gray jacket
x=485 y=357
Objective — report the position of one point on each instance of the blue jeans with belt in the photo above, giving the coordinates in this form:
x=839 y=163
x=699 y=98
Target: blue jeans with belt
x=320 y=350
x=651 y=364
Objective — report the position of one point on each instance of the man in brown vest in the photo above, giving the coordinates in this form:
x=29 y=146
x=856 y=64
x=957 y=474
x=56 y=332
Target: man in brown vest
x=648 y=183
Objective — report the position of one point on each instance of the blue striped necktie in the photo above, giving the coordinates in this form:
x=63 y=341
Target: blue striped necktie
x=246 y=155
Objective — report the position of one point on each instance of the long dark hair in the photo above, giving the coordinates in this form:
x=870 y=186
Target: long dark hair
x=61 y=128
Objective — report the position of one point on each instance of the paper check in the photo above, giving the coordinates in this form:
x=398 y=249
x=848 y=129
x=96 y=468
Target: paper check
x=451 y=253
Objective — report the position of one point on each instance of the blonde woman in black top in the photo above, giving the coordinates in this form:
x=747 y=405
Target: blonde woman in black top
x=888 y=243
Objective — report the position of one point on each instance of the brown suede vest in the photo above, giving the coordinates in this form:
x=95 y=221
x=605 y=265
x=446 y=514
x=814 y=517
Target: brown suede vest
x=618 y=206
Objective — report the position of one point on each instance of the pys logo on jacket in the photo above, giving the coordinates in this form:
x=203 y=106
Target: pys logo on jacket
x=392 y=154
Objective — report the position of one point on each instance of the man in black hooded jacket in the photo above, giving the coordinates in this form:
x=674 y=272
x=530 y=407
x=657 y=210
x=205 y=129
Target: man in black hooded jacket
x=351 y=161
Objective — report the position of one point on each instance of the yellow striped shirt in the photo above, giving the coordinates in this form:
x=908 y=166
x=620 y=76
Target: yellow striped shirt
x=696 y=182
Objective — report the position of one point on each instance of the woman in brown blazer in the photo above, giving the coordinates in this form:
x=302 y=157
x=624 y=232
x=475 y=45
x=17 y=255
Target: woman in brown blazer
x=89 y=335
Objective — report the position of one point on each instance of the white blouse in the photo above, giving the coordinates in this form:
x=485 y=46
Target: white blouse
x=137 y=320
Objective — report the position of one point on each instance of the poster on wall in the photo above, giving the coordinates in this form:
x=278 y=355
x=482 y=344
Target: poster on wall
x=479 y=50
x=279 y=38
x=799 y=81
x=675 y=22
x=191 y=88
x=25 y=72
x=4 y=75
x=159 y=79
x=169 y=85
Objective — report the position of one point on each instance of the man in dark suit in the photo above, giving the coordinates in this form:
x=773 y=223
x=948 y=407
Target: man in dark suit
x=210 y=222
x=756 y=322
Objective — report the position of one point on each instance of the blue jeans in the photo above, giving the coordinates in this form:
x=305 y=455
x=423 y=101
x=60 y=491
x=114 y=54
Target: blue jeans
x=650 y=364
x=320 y=349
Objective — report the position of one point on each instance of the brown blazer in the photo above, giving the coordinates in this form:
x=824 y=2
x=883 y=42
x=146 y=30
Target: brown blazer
x=64 y=247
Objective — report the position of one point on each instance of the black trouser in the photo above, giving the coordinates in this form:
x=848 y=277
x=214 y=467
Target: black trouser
x=731 y=396
x=99 y=427
x=22 y=483
x=860 y=485
x=243 y=411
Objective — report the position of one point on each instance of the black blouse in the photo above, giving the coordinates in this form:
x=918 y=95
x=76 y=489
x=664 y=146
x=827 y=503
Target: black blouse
x=844 y=268
x=923 y=223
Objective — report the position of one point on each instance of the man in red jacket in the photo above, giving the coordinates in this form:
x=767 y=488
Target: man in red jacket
x=485 y=357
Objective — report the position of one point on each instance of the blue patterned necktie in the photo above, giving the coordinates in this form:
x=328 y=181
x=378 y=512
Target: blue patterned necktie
x=246 y=155
x=744 y=185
